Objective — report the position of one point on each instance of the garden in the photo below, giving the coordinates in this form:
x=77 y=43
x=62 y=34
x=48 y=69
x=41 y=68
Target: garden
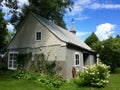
x=9 y=83
x=96 y=77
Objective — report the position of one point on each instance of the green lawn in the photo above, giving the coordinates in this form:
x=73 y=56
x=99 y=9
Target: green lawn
x=14 y=84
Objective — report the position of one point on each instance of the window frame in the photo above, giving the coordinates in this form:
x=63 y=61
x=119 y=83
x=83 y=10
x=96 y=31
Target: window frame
x=36 y=36
x=76 y=53
x=12 y=61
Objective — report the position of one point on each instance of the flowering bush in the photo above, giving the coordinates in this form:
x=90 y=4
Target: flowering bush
x=95 y=75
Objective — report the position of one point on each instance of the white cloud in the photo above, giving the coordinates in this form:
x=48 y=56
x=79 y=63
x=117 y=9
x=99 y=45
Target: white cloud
x=81 y=17
x=7 y=15
x=104 y=31
x=104 y=6
x=10 y=27
x=22 y=2
x=80 y=5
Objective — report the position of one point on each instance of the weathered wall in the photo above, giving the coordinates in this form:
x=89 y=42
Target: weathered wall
x=50 y=45
x=70 y=61
x=57 y=53
x=26 y=35
x=90 y=60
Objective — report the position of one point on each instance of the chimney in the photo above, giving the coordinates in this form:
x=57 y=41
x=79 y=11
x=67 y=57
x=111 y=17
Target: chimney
x=72 y=30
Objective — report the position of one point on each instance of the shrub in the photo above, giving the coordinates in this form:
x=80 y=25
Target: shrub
x=96 y=75
x=3 y=63
x=55 y=81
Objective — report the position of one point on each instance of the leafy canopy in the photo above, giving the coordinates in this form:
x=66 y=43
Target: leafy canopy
x=53 y=10
x=91 y=39
x=3 y=31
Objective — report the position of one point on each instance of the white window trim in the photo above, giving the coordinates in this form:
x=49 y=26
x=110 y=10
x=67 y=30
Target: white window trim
x=11 y=68
x=36 y=36
x=75 y=58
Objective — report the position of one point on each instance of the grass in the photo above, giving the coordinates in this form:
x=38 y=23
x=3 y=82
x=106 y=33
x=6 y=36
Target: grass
x=7 y=83
x=14 y=84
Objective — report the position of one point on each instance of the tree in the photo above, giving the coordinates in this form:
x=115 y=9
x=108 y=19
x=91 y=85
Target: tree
x=3 y=31
x=91 y=40
x=53 y=10
x=110 y=52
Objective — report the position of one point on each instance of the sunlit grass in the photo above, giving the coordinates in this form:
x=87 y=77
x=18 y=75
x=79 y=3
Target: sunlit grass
x=7 y=83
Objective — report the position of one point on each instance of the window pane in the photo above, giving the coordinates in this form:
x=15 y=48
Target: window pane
x=10 y=63
x=38 y=36
x=12 y=60
x=14 y=64
x=11 y=56
x=76 y=62
x=77 y=58
x=15 y=57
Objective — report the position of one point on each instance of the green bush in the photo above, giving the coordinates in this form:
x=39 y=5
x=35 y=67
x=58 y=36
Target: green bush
x=55 y=81
x=43 y=65
x=95 y=75
x=3 y=63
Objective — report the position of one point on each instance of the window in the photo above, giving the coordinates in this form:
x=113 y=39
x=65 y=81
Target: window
x=77 y=59
x=38 y=36
x=12 y=60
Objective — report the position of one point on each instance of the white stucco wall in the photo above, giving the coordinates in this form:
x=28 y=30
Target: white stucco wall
x=26 y=35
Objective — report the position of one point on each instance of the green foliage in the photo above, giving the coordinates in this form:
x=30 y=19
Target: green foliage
x=96 y=75
x=3 y=63
x=40 y=64
x=91 y=40
x=8 y=83
x=3 y=31
x=44 y=66
x=44 y=70
x=53 y=10
x=23 y=59
x=110 y=52
x=9 y=36
x=55 y=81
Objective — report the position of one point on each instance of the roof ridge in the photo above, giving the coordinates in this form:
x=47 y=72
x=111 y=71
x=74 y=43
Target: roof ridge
x=62 y=33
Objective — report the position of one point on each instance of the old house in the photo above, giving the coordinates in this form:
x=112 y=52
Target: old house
x=38 y=35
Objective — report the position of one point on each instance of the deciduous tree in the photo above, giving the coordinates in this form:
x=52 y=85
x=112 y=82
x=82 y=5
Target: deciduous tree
x=3 y=31
x=53 y=10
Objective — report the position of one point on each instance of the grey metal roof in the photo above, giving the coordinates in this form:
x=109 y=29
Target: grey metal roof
x=62 y=34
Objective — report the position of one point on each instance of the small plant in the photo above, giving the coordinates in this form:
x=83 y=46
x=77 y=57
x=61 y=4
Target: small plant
x=58 y=81
x=96 y=75
x=55 y=81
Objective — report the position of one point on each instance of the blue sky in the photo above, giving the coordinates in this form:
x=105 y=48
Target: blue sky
x=99 y=16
